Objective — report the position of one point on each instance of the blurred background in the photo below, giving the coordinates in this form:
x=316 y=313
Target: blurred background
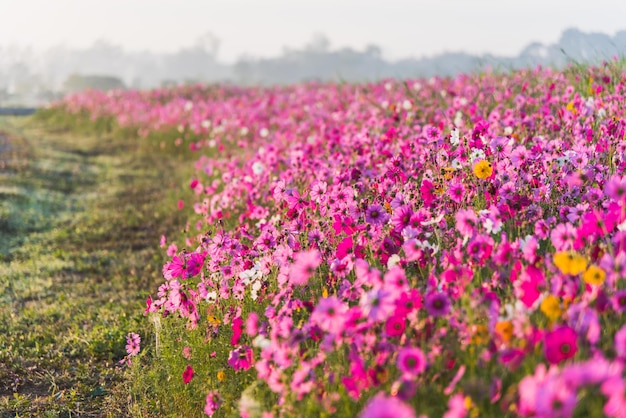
x=49 y=48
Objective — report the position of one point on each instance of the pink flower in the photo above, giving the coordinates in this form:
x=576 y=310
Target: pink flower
x=411 y=362
x=329 y=315
x=133 y=342
x=563 y=237
x=560 y=344
x=304 y=267
x=188 y=374
x=382 y=406
x=377 y=304
x=252 y=324
x=466 y=222
x=456 y=407
x=620 y=342
x=213 y=402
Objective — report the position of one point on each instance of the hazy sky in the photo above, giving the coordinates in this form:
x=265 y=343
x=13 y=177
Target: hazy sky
x=262 y=27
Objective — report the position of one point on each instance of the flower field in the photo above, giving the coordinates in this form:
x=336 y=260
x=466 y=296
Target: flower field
x=442 y=247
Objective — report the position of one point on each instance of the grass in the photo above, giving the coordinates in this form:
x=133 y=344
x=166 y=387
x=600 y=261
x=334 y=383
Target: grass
x=81 y=213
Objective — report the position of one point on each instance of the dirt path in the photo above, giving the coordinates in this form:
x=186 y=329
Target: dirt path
x=79 y=229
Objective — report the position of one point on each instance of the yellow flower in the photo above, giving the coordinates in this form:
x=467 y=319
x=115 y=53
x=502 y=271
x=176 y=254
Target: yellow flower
x=482 y=169
x=221 y=376
x=570 y=262
x=550 y=307
x=480 y=334
x=594 y=275
x=504 y=329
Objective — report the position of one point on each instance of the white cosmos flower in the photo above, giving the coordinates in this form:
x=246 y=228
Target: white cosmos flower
x=454 y=137
x=258 y=167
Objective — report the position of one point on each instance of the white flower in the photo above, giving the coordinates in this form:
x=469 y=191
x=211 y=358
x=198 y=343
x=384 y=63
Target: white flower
x=454 y=137
x=458 y=119
x=477 y=154
x=258 y=167
x=492 y=227
x=264 y=132
x=211 y=297
x=261 y=342
x=188 y=106
x=433 y=221
x=244 y=131
x=206 y=124
x=393 y=261
x=406 y=104
x=456 y=164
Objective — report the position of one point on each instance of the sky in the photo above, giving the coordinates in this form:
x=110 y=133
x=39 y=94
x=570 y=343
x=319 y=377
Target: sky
x=262 y=28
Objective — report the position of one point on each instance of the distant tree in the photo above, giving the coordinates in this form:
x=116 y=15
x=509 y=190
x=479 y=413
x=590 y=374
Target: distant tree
x=78 y=82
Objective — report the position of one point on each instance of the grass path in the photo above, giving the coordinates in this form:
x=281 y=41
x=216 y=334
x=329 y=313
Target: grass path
x=80 y=219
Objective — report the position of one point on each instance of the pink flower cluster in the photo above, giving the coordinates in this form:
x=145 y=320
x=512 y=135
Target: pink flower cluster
x=414 y=230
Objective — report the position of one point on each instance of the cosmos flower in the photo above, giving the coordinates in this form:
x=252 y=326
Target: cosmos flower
x=560 y=344
x=382 y=406
x=483 y=169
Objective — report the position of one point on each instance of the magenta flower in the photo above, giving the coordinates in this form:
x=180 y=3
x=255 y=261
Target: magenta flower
x=411 y=362
x=401 y=217
x=395 y=325
x=241 y=358
x=382 y=406
x=188 y=374
x=560 y=344
x=237 y=327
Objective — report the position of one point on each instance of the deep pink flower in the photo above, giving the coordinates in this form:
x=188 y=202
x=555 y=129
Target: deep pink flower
x=241 y=358
x=560 y=344
x=188 y=374
x=237 y=328
x=395 y=325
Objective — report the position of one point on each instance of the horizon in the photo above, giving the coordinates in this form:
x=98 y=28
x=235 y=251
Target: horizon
x=400 y=28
